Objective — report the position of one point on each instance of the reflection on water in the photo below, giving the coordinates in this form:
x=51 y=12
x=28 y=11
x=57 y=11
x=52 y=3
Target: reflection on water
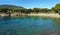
x=28 y=25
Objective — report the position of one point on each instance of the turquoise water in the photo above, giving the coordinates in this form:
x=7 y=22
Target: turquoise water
x=28 y=25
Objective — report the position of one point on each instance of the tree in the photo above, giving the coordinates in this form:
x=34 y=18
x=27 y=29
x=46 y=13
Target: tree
x=57 y=8
x=24 y=11
x=29 y=10
x=36 y=9
x=45 y=10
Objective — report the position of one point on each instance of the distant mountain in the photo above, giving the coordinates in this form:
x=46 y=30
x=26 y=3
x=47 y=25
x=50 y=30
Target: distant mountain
x=11 y=6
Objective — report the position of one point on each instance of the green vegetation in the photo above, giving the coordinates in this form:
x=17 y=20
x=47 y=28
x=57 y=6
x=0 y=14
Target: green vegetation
x=57 y=8
x=8 y=9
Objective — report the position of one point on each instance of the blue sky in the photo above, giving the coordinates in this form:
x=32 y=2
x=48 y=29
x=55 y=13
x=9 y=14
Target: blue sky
x=31 y=3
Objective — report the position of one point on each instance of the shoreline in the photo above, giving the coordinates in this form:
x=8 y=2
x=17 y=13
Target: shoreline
x=45 y=15
x=39 y=14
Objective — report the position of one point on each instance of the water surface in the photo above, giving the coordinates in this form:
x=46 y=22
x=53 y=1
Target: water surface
x=28 y=25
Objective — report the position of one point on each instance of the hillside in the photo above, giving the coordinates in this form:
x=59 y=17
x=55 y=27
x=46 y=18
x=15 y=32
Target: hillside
x=11 y=6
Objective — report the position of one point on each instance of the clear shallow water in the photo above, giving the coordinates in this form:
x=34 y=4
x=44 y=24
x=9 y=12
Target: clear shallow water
x=28 y=25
